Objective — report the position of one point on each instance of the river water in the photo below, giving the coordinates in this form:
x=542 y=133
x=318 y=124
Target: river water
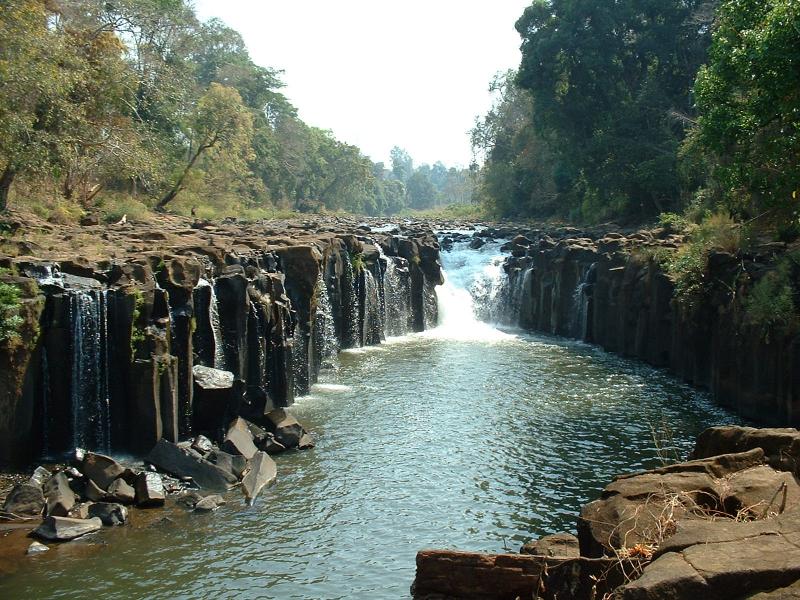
x=460 y=437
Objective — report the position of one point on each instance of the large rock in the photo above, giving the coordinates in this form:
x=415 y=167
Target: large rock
x=263 y=472
x=101 y=469
x=781 y=446
x=209 y=503
x=60 y=498
x=643 y=508
x=235 y=464
x=180 y=463
x=63 y=529
x=213 y=398
x=40 y=477
x=25 y=500
x=110 y=513
x=559 y=544
x=239 y=440
x=121 y=491
x=93 y=492
x=722 y=561
x=285 y=428
x=149 y=490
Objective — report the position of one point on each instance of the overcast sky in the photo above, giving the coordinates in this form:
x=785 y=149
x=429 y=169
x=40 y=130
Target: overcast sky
x=412 y=73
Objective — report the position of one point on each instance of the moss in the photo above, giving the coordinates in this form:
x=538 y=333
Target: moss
x=10 y=319
x=357 y=260
x=137 y=332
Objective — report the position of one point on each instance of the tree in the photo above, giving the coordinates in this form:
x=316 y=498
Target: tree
x=219 y=123
x=749 y=101
x=606 y=80
x=402 y=164
x=36 y=79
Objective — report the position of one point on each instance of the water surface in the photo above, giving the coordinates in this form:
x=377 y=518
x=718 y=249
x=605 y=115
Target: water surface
x=462 y=437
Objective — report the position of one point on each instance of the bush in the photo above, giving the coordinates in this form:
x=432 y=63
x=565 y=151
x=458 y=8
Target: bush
x=771 y=304
x=115 y=206
x=673 y=222
x=10 y=321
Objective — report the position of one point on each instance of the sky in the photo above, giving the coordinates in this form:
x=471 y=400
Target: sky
x=411 y=73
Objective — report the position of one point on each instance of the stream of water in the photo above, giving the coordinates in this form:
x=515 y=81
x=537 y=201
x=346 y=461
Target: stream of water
x=464 y=436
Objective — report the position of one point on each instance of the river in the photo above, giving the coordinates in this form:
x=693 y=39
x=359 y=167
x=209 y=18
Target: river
x=463 y=436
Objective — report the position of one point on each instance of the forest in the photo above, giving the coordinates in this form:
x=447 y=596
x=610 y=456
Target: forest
x=126 y=106
x=633 y=109
x=622 y=111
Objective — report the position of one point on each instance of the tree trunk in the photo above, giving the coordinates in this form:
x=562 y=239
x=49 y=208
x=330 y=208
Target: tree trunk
x=6 y=179
x=170 y=195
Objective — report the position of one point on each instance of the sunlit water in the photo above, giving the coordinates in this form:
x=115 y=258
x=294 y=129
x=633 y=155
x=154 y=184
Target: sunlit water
x=462 y=437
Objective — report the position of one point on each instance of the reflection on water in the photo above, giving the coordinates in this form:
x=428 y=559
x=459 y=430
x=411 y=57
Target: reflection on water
x=462 y=437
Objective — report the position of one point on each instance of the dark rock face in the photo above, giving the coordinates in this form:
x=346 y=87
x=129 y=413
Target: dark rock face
x=213 y=324
x=604 y=290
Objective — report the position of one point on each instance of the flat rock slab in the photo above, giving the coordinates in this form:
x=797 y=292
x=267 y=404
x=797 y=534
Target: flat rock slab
x=263 y=472
x=64 y=529
x=175 y=461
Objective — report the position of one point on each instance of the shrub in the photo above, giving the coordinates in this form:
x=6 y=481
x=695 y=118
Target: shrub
x=771 y=304
x=10 y=321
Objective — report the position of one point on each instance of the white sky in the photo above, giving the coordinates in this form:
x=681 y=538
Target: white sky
x=410 y=73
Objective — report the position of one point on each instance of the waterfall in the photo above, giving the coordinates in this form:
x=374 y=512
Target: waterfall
x=473 y=280
x=216 y=330
x=350 y=309
x=397 y=299
x=580 y=303
x=325 y=328
x=91 y=425
x=372 y=321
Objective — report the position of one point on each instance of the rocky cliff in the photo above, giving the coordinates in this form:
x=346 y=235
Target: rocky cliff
x=111 y=340
x=607 y=289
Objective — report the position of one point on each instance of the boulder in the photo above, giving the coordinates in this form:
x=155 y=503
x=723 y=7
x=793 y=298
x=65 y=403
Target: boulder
x=149 y=490
x=121 y=491
x=263 y=472
x=235 y=464
x=101 y=469
x=190 y=498
x=781 y=446
x=209 y=503
x=60 y=498
x=25 y=500
x=306 y=442
x=239 y=440
x=213 y=397
x=37 y=548
x=175 y=461
x=202 y=445
x=110 y=513
x=40 y=477
x=271 y=446
x=559 y=544
x=92 y=491
x=63 y=529
x=80 y=511
x=285 y=428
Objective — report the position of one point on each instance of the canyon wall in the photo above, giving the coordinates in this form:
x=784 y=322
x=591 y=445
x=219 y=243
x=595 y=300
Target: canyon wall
x=608 y=290
x=110 y=346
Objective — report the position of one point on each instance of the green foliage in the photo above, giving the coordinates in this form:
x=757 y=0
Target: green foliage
x=747 y=95
x=688 y=266
x=673 y=222
x=137 y=331
x=771 y=304
x=357 y=261
x=10 y=320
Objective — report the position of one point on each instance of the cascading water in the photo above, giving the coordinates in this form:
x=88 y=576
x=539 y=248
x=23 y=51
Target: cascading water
x=396 y=298
x=325 y=328
x=580 y=304
x=372 y=317
x=473 y=280
x=352 y=335
x=216 y=329
x=91 y=424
